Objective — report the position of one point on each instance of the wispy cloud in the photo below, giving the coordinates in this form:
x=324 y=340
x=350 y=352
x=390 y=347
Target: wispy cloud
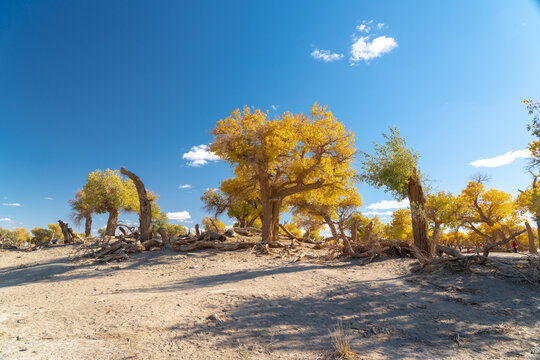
x=199 y=155
x=11 y=204
x=274 y=107
x=501 y=160
x=48 y=198
x=365 y=27
x=181 y=216
x=5 y=219
x=378 y=213
x=389 y=204
x=380 y=26
x=185 y=186
x=365 y=49
x=326 y=55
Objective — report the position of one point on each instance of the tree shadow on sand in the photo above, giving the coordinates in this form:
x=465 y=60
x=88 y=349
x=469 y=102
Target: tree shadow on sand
x=416 y=316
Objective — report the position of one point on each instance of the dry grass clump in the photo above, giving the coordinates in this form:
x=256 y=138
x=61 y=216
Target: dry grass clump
x=341 y=348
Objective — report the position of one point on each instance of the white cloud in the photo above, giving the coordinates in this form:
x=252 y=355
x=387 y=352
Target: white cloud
x=274 y=107
x=380 y=26
x=501 y=160
x=5 y=219
x=326 y=55
x=129 y=222
x=48 y=198
x=365 y=49
x=12 y=204
x=378 y=213
x=182 y=216
x=365 y=27
x=389 y=204
x=199 y=155
x=185 y=186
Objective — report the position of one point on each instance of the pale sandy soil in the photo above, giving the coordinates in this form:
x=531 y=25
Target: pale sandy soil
x=156 y=306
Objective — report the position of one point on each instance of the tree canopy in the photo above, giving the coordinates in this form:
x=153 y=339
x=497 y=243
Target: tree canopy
x=290 y=154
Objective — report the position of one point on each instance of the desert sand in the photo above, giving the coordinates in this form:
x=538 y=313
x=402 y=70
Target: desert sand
x=243 y=305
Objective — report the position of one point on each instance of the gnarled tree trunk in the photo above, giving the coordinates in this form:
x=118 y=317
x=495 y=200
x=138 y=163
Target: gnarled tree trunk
x=435 y=237
x=145 y=208
x=530 y=234
x=111 y=222
x=418 y=215
x=69 y=235
x=87 y=225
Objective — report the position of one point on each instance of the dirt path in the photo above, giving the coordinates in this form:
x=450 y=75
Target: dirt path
x=157 y=306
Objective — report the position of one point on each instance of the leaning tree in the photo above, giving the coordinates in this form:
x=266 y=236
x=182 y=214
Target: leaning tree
x=394 y=167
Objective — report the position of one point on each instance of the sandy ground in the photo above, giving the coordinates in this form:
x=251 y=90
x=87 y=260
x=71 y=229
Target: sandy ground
x=157 y=306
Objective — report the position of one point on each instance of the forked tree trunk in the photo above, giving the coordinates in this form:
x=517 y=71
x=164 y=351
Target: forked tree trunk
x=418 y=215
x=87 y=225
x=532 y=246
x=145 y=207
x=111 y=222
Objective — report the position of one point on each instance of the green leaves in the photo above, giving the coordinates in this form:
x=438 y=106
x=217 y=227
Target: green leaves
x=391 y=165
x=107 y=191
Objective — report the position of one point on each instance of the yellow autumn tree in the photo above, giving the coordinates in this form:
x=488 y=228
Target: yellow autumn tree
x=443 y=210
x=490 y=214
x=287 y=155
x=400 y=227
x=333 y=204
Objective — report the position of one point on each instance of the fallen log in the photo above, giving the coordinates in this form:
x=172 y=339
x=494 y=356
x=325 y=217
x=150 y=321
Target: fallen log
x=112 y=248
x=148 y=244
x=214 y=245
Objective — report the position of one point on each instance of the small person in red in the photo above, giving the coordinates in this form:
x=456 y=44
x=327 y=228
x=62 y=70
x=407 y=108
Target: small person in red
x=514 y=245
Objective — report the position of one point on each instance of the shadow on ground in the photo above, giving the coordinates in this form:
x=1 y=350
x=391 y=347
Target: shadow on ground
x=418 y=316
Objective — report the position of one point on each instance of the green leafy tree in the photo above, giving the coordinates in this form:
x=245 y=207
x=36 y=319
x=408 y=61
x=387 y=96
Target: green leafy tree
x=108 y=192
x=394 y=167
x=163 y=221
x=41 y=235
x=533 y=107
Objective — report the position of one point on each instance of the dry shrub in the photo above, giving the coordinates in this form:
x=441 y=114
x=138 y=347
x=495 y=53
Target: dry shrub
x=341 y=348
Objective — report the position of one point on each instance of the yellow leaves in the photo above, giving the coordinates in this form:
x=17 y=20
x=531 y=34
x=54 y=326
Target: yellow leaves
x=289 y=147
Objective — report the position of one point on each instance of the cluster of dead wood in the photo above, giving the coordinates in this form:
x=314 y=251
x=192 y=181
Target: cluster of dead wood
x=109 y=248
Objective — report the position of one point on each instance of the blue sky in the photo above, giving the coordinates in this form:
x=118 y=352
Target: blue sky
x=99 y=84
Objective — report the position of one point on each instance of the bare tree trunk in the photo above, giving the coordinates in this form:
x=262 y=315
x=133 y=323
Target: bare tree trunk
x=164 y=237
x=69 y=235
x=418 y=215
x=435 y=239
x=367 y=232
x=331 y=225
x=65 y=231
x=111 y=222
x=87 y=225
x=532 y=246
x=271 y=205
x=145 y=208
x=354 y=230
x=197 y=231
